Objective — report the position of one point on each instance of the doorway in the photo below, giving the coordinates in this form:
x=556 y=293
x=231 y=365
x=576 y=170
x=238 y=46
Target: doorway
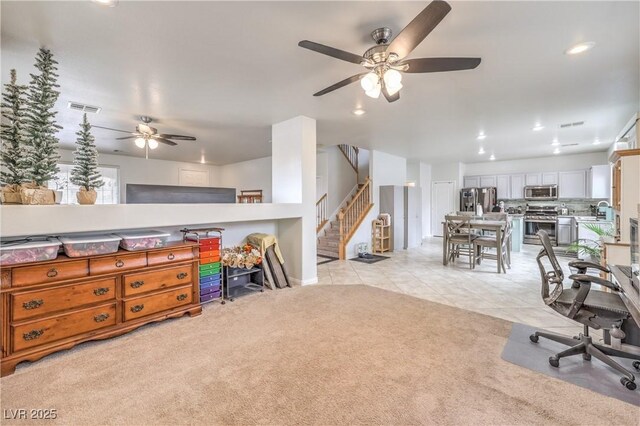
x=443 y=202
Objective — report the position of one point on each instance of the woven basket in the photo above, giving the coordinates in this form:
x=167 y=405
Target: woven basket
x=87 y=197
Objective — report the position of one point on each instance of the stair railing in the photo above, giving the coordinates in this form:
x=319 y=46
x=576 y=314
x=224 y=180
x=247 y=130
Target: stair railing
x=321 y=213
x=351 y=154
x=350 y=218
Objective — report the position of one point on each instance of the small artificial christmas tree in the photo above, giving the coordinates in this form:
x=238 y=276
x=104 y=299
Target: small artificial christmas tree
x=85 y=159
x=15 y=168
x=42 y=154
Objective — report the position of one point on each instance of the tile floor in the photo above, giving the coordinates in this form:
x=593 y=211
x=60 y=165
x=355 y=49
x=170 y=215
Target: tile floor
x=514 y=296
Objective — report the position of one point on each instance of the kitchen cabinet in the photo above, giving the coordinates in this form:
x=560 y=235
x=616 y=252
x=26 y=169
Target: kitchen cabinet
x=565 y=231
x=600 y=182
x=533 y=179
x=503 y=187
x=487 y=181
x=572 y=184
x=517 y=187
x=550 y=178
x=471 y=182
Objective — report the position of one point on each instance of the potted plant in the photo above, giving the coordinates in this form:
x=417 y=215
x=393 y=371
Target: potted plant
x=85 y=170
x=592 y=249
x=15 y=169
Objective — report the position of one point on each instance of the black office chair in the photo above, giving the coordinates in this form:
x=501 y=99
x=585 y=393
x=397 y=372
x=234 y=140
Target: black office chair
x=592 y=308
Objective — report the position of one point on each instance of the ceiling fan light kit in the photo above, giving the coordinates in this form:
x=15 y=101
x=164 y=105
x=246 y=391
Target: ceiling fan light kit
x=386 y=60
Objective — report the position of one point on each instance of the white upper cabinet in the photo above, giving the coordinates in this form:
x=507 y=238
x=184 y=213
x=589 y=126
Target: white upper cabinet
x=487 y=181
x=517 y=186
x=572 y=184
x=503 y=184
x=550 y=178
x=533 y=179
x=600 y=181
x=471 y=181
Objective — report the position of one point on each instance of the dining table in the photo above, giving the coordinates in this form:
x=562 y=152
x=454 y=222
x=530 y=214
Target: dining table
x=478 y=223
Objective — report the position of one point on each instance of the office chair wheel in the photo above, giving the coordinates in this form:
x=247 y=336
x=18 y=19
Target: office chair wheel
x=629 y=384
x=534 y=338
x=586 y=357
x=554 y=361
x=636 y=365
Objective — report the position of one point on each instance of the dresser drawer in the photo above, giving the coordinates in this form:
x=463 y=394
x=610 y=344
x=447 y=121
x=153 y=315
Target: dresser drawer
x=48 y=273
x=156 y=280
x=158 y=302
x=113 y=264
x=29 y=304
x=51 y=329
x=169 y=256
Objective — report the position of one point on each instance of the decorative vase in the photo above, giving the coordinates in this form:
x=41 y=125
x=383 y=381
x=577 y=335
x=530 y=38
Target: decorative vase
x=87 y=197
x=10 y=194
x=57 y=196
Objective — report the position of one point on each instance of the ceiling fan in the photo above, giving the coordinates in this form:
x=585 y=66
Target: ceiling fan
x=386 y=60
x=147 y=137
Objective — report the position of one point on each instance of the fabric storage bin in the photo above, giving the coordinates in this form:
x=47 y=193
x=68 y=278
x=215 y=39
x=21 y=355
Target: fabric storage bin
x=141 y=240
x=28 y=250
x=89 y=245
x=210 y=297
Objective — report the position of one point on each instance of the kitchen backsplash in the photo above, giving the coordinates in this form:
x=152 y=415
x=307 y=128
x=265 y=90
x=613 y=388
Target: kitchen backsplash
x=578 y=206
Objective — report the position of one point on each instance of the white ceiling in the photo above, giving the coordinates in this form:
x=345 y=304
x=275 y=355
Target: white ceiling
x=225 y=71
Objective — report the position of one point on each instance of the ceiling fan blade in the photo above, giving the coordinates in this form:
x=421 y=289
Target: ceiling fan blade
x=340 y=84
x=388 y=97
x=440 y=64
x=109 y=128
x=331 y=51
x=127 y=137
x=178 y=137
x=413 y=34
x=165 y=141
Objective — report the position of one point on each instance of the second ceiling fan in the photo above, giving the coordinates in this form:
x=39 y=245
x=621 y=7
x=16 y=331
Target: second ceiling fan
x=386 y=61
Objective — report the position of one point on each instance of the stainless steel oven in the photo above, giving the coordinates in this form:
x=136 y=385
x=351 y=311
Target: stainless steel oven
x=541 y=192
x=538 y=218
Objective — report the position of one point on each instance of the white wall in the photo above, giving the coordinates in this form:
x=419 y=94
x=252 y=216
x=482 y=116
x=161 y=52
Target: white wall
x=151 y=171
x=341 y=178
x=543 y=164
x=247 y=175
x=322 y=173
x=363 y=164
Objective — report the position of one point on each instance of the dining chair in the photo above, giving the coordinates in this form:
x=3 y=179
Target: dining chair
x=484 y=242
x=460 y=238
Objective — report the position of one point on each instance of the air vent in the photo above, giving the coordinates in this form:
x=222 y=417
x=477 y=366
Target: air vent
x=574 y=124
x=77 y=106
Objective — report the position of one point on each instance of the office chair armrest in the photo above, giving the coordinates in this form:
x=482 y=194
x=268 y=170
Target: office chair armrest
x=595 y=280
x=582 y=265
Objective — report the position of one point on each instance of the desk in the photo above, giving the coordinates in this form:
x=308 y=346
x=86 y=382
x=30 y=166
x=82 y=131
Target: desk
x=631 y=299
x=496 y=226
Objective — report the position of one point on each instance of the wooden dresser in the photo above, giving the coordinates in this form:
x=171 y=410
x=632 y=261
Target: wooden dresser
x=54 y=305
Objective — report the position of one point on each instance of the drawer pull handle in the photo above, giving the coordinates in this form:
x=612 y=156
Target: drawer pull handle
x=182 y=275
x=137 y=308
x=119 y=264
x=137 y=284
x=52 y=272
x=33 y=334
x=33 y=304
x=171 y=256
x=181 y=297
x=101 y=291
x=101 y=317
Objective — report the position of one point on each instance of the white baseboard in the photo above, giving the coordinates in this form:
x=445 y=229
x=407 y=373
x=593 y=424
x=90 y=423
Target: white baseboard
x=296 y=282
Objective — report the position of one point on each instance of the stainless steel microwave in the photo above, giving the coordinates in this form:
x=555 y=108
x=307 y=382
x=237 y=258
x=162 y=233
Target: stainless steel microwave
x=541 y=192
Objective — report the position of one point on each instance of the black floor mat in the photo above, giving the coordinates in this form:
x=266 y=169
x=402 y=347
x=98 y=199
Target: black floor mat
x=373 y=259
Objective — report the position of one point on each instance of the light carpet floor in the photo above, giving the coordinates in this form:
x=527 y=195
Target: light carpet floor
x=310 y=355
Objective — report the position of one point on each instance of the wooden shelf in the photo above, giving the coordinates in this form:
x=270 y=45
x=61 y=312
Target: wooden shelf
x=380 y=237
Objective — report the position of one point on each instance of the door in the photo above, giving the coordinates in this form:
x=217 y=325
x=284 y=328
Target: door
x=517 y=187
x=502 y=185
x=443 y=203
x=412 y=229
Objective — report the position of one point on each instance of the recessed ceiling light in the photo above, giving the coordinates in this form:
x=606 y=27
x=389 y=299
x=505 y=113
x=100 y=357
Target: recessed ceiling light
x=493 y=157
x=556 y=151
x=538 y=127
x=596 y=142
x=108 y=3
x=555 y=142
x=359 y=111
x=481 y=151
x=481 y=136
x=580 y=48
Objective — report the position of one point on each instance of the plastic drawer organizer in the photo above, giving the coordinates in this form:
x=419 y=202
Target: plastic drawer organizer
x=143 y=240
x=89 y=245
x=210 y=242
x=28 y=250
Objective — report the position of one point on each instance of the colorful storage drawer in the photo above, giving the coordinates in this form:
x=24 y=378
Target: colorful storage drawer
x=211 y=259
x=208 y=290
x=210 y=268
x=215 y=278
x=210 y=297
x=210 y=244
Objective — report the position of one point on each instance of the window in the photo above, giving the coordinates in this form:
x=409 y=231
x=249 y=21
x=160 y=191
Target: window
x=109 y=193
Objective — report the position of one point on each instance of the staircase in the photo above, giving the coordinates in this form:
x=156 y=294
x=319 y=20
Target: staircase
x=334 y=241
x=351 y=154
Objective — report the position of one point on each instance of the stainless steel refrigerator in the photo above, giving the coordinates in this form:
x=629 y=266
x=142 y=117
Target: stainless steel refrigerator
x=470 y=198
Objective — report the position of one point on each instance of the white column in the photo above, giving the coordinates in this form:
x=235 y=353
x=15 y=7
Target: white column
x=293 y=170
